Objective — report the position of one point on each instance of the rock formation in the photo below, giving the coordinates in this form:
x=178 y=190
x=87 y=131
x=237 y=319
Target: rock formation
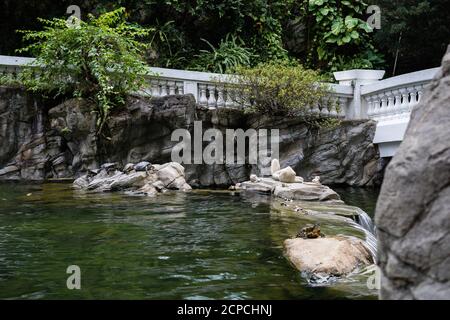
x=413 y=210
x=142 y=178
x=41 y=140
x=285 y=184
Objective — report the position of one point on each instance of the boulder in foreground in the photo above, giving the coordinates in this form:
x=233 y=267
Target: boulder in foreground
x=324 y=258
x=413 y=209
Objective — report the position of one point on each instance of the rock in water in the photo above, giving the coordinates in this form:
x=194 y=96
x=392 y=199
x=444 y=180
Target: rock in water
x=293 y=191
x=413 y=210
x=327 y=257
x=286 y=175
x=274 y=166
x=172 y=176
x=149 y=182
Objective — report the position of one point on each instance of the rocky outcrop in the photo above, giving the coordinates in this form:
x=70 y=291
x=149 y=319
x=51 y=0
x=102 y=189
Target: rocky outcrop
x=139 y=179
x=41 y=141
x=322 y=259
x=341 y=154
x=307 y=191
x=413 y=210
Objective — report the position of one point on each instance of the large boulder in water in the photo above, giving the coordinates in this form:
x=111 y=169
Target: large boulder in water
x=172 y=176
x=293 y=191
x=323 y=258
x=157 y=178
x=413 y=210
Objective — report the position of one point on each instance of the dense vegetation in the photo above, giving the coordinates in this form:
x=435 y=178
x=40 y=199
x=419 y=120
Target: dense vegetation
x=278 y=88
x=99 y=59
x=218 y=35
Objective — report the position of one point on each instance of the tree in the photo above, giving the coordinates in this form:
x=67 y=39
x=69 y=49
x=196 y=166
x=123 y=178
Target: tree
x=414 y=34
x=100 y=60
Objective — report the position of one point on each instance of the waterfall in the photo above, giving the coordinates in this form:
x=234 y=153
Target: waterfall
x=365 y=221
x=365 y=224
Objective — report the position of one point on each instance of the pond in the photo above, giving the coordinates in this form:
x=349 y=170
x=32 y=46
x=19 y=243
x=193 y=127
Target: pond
x=202 y=244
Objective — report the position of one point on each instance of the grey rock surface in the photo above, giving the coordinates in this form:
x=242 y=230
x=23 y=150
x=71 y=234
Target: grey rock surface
x=413 y=210
x=45 y=141
x=292 y=191
x=157 y=179
x=322 y=258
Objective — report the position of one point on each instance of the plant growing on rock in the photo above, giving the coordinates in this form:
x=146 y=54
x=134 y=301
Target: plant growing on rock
x=99 y=59
x=279 y=89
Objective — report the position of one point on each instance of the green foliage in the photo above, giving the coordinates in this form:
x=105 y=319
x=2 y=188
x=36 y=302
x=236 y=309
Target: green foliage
x=341 y=38
x=279 y=88
x=323 y=34
x=230 y=54
x=166 y=43
x=416 y=32
x=100 y=59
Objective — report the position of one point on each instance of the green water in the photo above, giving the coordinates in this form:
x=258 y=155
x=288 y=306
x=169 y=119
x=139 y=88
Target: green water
x=197 y=245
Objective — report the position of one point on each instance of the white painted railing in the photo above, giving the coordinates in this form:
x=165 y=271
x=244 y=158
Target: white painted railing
x=210 y=90
x=394 y=98
x=359 y=94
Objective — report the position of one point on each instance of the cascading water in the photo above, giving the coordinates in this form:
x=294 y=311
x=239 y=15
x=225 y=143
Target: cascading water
x=365 y=224
x=365 y=221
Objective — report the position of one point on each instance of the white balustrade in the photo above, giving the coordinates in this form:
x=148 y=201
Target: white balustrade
x=359 y=93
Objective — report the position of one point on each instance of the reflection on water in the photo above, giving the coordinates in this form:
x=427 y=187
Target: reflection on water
x=194 y=245
x=365 y=198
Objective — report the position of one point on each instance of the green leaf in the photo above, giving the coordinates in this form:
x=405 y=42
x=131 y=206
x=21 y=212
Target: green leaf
x=351 y=22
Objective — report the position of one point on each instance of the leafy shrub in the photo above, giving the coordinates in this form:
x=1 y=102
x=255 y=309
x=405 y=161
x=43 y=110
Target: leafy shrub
x=100 y=60
x=279 y=88
x=230 y=54
x=332 y=35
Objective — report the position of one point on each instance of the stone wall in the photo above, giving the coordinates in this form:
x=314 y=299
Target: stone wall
x=42 y=141
x=413 y=210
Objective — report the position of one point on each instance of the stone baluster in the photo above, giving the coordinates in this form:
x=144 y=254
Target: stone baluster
x=220 y=96
x=376 y=106
x=333 y=105
x=315 y=108
x=390 y=111
x=155 y=88
x=383 y=108
x=164 y=91
x=419 y=89
x=405 y=100
x=202 y=100
x=397 y=102
x=180 y=87
x=228 y=97
x=412 y=98
x=212 y=102
x=342 y=105
x=370 y=107
x=324 y=107
x=171 y=85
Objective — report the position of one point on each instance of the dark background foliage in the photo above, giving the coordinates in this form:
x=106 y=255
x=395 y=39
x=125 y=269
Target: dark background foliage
x=185 y=30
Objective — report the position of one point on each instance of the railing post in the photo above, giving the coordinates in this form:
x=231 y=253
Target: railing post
x=357 y=78
x=191 y=87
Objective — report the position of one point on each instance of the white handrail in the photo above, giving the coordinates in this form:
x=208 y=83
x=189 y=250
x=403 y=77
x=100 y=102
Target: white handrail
x=359 y=93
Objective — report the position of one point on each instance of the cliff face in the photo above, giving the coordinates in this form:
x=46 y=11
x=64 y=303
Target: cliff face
x=413 y=210
x=45 y=142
